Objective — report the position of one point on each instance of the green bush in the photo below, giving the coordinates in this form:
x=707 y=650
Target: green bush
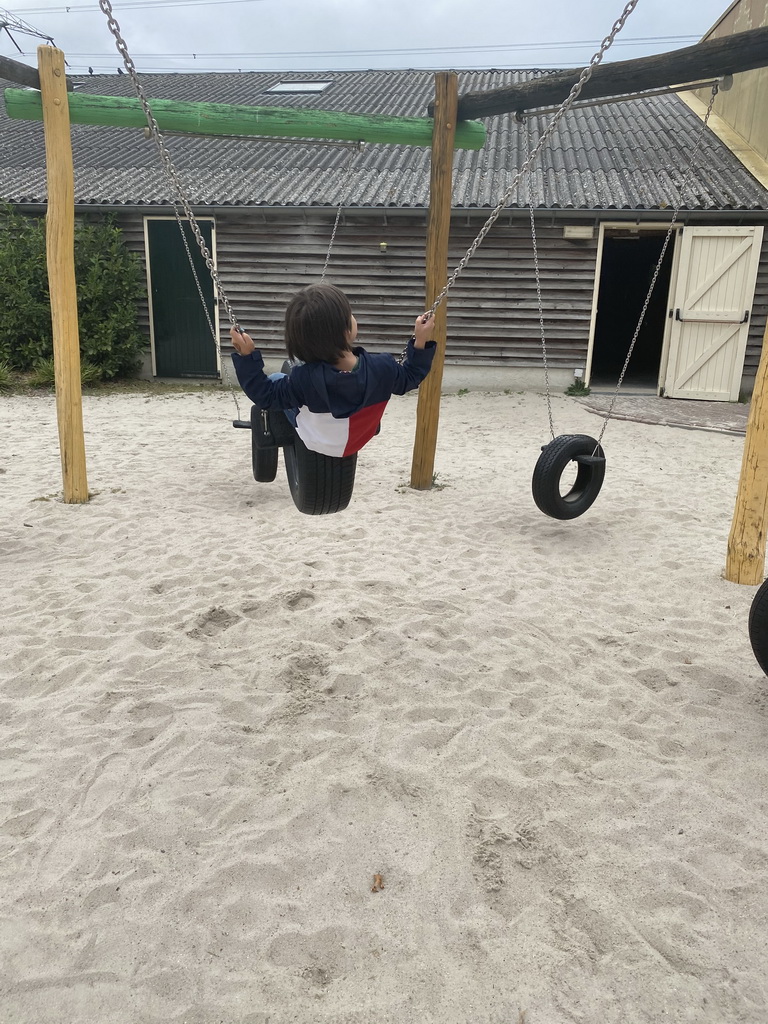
x=6 y=377
x=109 y=286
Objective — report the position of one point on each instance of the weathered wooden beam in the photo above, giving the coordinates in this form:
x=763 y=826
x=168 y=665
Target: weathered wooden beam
x=22 y=74
x=60 y=249
x=224 y=119
x=438 y=231
x=711 y=59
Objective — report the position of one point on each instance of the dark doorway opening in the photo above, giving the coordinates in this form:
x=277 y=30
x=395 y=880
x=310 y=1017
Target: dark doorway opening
x=628 y=264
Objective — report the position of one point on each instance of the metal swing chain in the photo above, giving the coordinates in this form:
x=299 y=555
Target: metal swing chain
x=346 y=178
x=586 y=74
x=683 y=186
x=529 y=178
x=170 y=170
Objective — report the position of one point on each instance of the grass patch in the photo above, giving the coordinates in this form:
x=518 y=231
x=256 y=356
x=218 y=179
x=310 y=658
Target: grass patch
x=578 y=388
x=6 y=377
x=44 y=374
x=437 y=485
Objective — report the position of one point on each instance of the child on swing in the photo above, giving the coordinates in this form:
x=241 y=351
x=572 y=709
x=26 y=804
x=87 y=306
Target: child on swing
x=337 y=396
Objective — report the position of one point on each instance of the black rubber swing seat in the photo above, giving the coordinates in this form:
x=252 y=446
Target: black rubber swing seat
x=552 y=463
x=319 y=484
x=758 y=626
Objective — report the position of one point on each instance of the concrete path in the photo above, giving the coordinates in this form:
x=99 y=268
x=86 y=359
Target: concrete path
x=722 y=417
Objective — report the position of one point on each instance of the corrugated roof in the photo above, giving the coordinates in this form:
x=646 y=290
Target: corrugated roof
x=630 y=155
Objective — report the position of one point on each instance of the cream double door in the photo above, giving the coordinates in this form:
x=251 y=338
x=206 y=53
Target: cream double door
x=710 y=310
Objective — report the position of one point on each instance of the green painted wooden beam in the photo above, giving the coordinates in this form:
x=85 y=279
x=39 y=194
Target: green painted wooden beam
x=224 y=119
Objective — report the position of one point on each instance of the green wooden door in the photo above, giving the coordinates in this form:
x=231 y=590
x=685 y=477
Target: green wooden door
x=182 y=338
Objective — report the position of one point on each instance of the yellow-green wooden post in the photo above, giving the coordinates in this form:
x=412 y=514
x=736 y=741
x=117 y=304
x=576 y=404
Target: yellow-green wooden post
x=60 y=246
x=438 y=231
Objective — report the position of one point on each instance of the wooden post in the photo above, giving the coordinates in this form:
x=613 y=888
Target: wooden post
x=438 y=231
x=60 y=245
x=746 y=543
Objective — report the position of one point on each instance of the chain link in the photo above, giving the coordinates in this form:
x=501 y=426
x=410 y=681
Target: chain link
x=571 y=98
x=343 y=190
x=537 y=273
x=672 y=223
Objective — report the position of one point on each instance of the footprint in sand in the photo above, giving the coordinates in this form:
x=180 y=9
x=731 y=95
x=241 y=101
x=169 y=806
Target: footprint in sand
x=299 y=600
x=319 y=957
x=214 y=621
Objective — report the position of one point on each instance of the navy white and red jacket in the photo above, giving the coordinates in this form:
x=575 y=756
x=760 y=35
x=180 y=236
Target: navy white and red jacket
x=337 y=411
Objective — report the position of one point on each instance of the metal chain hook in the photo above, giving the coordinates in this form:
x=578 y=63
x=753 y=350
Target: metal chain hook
x=343 y=189
x=525 y=123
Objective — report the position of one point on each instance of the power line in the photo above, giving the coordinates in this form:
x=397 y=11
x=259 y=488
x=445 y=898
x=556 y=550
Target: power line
x=401 y=51
x=133 y=5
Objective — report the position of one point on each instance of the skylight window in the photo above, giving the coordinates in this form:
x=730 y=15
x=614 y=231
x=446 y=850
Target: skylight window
x=298 y=87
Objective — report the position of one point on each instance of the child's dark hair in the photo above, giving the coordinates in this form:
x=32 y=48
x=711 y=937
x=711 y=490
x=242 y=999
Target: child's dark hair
x=316 y=322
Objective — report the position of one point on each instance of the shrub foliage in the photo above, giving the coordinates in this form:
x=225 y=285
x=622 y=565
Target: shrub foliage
x=109 y=286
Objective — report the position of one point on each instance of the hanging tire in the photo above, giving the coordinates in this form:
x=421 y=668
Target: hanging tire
x=554 y=459
x=758 y=626
x=320 y=484
x=263 y=458
x=264 y=461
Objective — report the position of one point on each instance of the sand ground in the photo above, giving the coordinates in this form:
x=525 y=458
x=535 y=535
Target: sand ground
x=220 y=719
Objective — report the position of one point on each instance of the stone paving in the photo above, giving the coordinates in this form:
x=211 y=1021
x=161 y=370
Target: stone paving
x=722 y=417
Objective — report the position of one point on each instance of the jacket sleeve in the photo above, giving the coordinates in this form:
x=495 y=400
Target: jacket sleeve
x=414 y=368
x=266 y=393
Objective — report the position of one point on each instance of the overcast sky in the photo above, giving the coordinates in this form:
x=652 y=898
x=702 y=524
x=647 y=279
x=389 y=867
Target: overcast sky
x=249 y=35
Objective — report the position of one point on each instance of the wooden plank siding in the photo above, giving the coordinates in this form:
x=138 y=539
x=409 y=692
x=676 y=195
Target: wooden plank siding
x=263 y=258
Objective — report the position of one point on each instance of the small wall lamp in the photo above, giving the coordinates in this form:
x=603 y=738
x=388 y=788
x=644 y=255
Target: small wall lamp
x=383 y=246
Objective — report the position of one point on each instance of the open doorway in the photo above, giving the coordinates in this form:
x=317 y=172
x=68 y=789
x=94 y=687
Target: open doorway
x=628 y=263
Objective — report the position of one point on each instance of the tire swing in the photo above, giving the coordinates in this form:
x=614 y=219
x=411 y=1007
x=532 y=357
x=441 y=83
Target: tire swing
x=758 y=626
x=557 y=456
x=551 y=465
x=319 y=484
x=587 y=452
